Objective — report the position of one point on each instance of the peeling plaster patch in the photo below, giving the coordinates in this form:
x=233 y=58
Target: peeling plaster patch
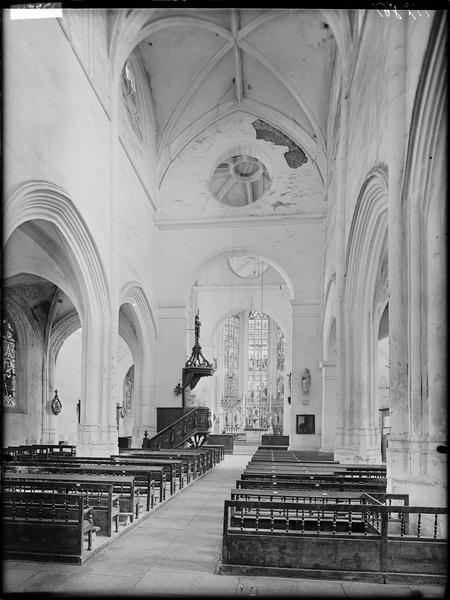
x=295 y=156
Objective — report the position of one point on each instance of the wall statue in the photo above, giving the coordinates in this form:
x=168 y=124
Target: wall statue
x=306 y=382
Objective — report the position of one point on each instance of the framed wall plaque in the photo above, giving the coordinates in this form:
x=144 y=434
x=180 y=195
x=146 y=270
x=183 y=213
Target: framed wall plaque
x=305 y=424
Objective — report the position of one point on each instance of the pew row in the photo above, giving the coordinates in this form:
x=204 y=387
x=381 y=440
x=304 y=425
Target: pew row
x=336 y=541
x=100 y=496
x=49 y=527
x=143 y=478
x=130 y=502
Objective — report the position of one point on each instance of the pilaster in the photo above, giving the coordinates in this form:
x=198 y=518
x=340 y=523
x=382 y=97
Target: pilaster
x=329 y=405
x=306 y=354
x=172 y=356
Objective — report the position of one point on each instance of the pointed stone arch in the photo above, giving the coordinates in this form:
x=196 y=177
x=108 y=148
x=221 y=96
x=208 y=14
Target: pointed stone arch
x=140 y=334
x=366 y=252
x=39 y=200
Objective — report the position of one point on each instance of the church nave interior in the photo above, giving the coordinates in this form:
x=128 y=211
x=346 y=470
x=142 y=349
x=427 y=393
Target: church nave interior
x=224 y=236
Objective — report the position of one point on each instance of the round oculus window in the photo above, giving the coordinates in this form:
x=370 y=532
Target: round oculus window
x=247 y=267
x=240 y=180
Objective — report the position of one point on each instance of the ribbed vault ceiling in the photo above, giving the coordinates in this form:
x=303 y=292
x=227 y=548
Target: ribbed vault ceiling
x=198 y=60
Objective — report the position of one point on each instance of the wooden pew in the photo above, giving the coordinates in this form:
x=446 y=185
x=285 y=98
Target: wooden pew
x=219 y=451
x=281 y=495
x=331 y=497
x=47 y=450
x=173 y=468
x=123 y=485
x=100 y=496
x=144 y=477
x=198 y=458
x=280 y=475
x=339 y=541
x=324 y=485
x=45 y=526
x=188 y=462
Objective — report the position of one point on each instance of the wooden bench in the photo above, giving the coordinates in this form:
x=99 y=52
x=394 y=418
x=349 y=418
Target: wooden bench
x=144 y=481
x=302 y=475
x=219 y=451
x=336 y=541
x=45 y=526
x=225 y=440
x=281 y=495
x=47 y=450
x=298 y=484
x=129 y=499
x=196 y=460
x=172 y=468
x=100 y=496
x=188 y=462
x=205 y=456
x=274 y=440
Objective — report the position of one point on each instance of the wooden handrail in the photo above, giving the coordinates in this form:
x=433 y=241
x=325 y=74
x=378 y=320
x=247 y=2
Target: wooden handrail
x=195 y=421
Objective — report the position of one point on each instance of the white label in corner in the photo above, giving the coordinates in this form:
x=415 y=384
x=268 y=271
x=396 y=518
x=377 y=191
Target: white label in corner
x=39 y=10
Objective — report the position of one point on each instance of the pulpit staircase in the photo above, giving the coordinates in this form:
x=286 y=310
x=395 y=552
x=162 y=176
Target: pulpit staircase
x=191 y=430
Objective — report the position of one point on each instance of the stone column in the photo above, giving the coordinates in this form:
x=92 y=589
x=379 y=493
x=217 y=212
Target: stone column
x=97 y=431
x=145 y=397
x=396 y=130
x=306 y=353
x=340 y=255
x=329 y=405
x=358 y=440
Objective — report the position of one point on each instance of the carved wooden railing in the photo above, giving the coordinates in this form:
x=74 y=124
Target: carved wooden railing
x=192 y=425
x=407 y=539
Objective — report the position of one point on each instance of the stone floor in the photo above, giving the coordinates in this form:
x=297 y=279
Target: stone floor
x=175 y=552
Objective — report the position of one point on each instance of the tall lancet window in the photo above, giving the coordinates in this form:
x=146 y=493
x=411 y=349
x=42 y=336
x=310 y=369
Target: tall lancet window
x=9 y=363
x=231 y=403
x=253 y=374
x=129 y=94
x=128 y=389
x=278 y=401
x=257 y=407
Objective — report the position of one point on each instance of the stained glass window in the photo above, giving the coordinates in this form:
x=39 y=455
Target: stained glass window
x=278 y=401
x=231 y=406
x=261 y=363
x=128 y=388
x=9 y=364
x=257 y=407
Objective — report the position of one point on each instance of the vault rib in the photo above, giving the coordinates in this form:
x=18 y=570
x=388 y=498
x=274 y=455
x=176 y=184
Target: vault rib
x=238 y=83
x=193 y=87
x=279 y=74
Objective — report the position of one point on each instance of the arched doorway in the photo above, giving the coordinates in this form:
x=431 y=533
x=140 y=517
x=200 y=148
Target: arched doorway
x=125 y=404
x=39 y=317
x=46 y=237
x=383 y=380
x=67 y=383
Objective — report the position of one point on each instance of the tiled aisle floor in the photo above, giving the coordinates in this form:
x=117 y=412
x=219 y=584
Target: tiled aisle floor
x=175 y=552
